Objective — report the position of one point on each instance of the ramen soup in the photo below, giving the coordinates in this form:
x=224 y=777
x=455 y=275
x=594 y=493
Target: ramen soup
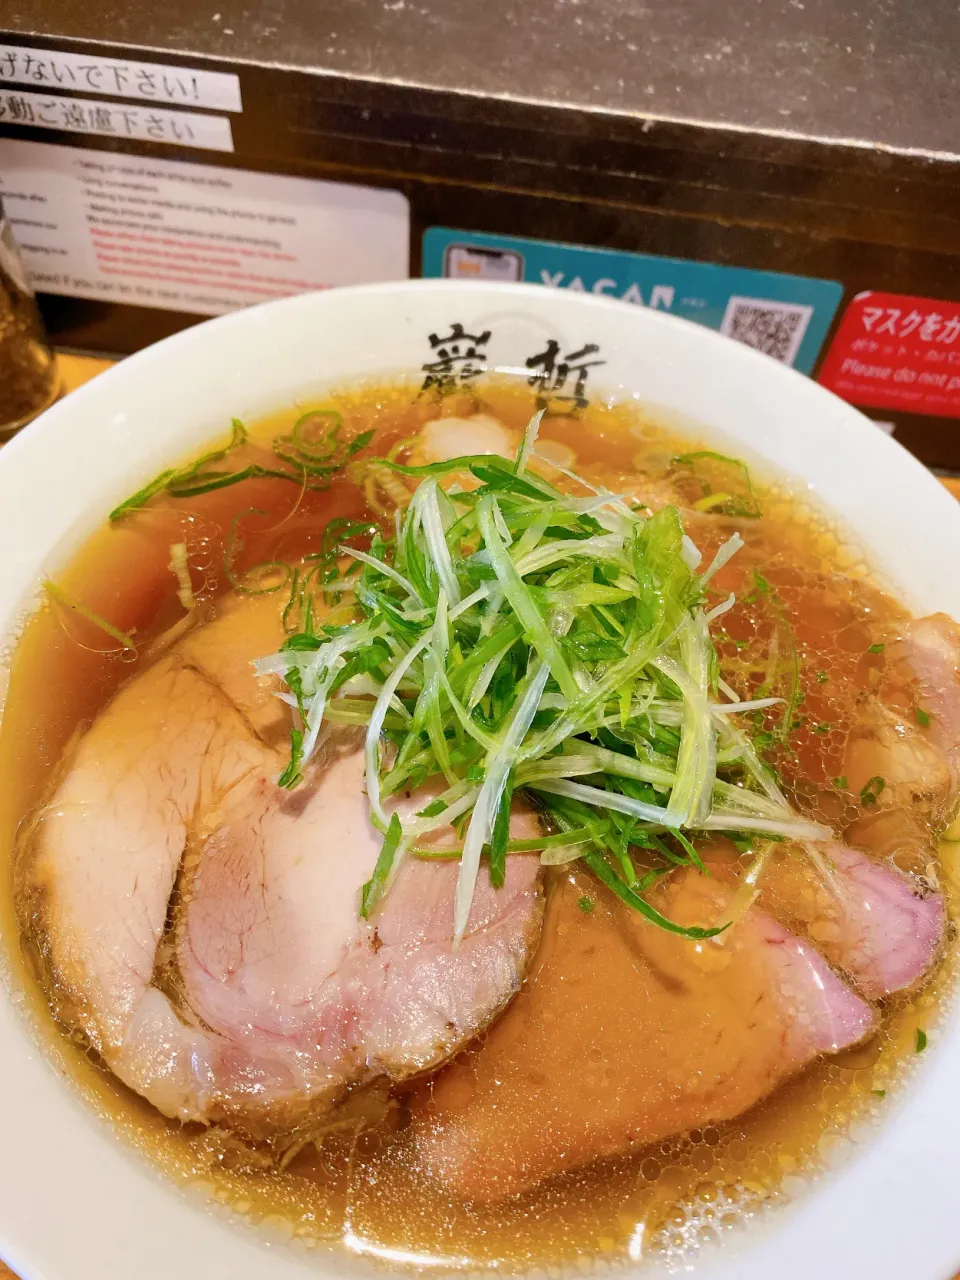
x=478 y=838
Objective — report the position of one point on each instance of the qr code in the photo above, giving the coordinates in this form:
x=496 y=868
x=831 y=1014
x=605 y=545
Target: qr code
x=775 y=328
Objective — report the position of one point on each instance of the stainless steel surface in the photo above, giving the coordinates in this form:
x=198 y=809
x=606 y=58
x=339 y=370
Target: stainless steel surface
x=881 y=73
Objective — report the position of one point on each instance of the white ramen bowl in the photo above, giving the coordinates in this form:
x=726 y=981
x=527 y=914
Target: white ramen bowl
x=75 y=1204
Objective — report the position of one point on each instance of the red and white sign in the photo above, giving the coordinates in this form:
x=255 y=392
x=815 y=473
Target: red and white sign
x=893 y=351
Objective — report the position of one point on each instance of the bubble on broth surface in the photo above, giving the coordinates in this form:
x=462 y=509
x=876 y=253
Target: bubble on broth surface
x=699 y=1221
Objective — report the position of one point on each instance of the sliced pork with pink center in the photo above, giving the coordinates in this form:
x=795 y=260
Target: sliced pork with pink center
x=931 y=646
x=201 y=925
x=908 y=759
x=883 y=929
x=658 y=1036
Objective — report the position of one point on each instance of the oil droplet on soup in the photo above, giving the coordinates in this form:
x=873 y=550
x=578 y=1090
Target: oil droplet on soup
x=804 y=629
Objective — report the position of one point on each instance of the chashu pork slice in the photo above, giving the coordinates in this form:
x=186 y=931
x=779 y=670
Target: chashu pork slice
x=201 y=926
x=909 y=761
x=625 y=1035
x=223 y=649
x=931 y=647
x=884 y=929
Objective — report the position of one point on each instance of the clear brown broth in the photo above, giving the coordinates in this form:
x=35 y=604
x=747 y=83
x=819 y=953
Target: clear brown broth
x=359 y=1186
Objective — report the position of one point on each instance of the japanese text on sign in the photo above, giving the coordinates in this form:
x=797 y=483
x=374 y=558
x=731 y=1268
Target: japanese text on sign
x=929 y=326
x=119 y=78
x=898 y=352
x=116 y=120
x=559 y=378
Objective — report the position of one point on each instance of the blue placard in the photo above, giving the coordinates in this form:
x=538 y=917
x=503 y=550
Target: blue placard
x=785 y=316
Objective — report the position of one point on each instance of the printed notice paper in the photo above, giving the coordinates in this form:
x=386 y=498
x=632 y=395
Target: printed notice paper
x=44 y=69
x=192 y=237
x=116 y=120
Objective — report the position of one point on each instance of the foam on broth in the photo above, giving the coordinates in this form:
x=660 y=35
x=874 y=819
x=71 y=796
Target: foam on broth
x=359 y=1187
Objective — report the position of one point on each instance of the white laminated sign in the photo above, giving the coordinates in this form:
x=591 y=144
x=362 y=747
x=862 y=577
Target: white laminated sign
x=190 y=237
x=151 y=82
x=115 y=120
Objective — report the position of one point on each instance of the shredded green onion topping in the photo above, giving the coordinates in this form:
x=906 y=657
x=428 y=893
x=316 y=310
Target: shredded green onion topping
x=76 y=606
x=308 y=457
x=513 y=640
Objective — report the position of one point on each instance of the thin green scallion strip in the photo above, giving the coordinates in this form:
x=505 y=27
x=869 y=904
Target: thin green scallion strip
x=349 y=711
x=694 y=771
x=303 y=741
x=735 y=708
x=725 y=553
x=582 y=711
x=563 y=855
x=375 y=887
x=616 y=503
x=522 y=601
x=581 y=757
x=123 y=638
x=620 y=765
x=604 y=873
x=723 y=607
x=697 y=650
x=500 y=836
x=488 y=671
x=448 y=467
x=467 y=722
x=380 y=567
x=498 y=765
x=748 y=801
x=142 y=496
x=477 y=597
x=434 y=662
x=725 y=688
x=495 y=602
x=562 y=840
x=606 y=544
x=432 y=523
x=532 y=536
x=761 y=775
x=793 y=829
x=501 y=525
x=529 y=440
x=588 y=594
x=458 y=801
x=375 y=726
x=600 y=799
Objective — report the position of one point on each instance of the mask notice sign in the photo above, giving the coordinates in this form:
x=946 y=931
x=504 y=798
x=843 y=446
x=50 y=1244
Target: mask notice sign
x=896 y=351
x=192 y=238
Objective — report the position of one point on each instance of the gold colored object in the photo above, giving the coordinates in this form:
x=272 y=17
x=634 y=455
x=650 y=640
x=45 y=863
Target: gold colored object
x=28 y=373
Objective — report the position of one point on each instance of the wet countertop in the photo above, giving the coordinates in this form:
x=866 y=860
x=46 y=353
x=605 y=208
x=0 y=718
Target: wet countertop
x=880 y=73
